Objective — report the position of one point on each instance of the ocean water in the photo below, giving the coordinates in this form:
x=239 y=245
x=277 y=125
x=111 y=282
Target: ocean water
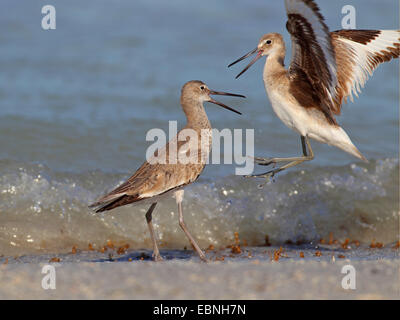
x=76 y=104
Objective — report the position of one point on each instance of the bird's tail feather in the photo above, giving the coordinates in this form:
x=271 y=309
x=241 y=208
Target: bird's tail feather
x=344 y=143
x=117 y=202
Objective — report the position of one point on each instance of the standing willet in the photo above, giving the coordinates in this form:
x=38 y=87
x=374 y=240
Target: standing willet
x=326 y=68
x=182 y=161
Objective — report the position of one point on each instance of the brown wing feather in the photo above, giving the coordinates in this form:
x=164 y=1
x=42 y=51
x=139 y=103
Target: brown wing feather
x=121 y=201
x=153 y=179
x=302 y=90
x=312 y=50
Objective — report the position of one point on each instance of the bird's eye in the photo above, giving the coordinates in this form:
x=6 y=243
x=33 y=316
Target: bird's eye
x=268 y=42
x=202 y=88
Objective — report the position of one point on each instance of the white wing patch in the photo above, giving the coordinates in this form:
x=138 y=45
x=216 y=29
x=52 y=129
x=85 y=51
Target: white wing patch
x=365 y=58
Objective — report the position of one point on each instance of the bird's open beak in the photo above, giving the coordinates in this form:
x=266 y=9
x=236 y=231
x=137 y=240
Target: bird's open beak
x=225 y=94
x=258 y=56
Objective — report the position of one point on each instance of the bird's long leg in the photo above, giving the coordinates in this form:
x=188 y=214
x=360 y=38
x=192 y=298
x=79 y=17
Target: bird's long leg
x=269 y=161
x=294 y=161
x=156 y=252
x=179 y=199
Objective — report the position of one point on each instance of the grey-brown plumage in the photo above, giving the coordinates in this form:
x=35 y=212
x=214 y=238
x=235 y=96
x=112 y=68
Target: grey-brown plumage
x=179 y=163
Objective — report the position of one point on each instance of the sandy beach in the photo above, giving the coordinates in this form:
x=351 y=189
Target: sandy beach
x=252 y=274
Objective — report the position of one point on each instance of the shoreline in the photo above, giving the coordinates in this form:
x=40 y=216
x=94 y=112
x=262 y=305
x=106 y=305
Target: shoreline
x=252 y=274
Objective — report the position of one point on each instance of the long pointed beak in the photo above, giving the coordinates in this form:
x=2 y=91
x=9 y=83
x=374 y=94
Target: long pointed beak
x=244 y=57
x=258 y=56
x=225 y=94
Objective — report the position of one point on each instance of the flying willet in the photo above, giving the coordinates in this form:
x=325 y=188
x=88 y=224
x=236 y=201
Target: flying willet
x=174 y=166
x=326 y=68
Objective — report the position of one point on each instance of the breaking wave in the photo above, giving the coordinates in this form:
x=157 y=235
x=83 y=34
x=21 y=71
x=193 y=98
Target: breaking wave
x=42 y=210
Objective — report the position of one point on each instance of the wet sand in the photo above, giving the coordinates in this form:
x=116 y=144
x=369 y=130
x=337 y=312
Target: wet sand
x=255 y=273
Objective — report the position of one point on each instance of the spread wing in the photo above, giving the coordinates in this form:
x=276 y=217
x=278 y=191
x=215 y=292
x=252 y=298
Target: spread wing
x=358 y=54
x=336 y=64
x=312 y=50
